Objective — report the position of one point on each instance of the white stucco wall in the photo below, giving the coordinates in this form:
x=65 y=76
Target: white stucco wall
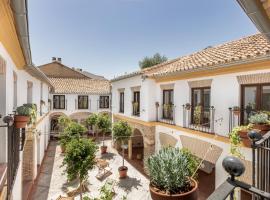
x=7 y=107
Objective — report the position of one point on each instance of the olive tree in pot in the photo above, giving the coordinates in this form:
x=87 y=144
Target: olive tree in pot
x=121 y=133
x=72 y=131
x=171 y=173
x=79 y=159
x=104 y=125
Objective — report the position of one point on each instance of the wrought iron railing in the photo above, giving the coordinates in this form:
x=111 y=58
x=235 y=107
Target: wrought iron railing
x=16 y=139
x=167 y=114
x=260 y=188
x=199 y=118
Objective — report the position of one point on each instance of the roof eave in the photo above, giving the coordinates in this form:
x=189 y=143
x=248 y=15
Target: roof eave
x=257 y=15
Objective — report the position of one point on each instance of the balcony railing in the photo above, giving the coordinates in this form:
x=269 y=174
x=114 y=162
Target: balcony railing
x=16 y=139
x=199 y=118
x=167 y=114
x=239 y=116
x=260 y=188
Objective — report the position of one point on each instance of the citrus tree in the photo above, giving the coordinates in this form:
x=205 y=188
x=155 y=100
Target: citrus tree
x=79 y=159
x=103 y=124
x=92 y=120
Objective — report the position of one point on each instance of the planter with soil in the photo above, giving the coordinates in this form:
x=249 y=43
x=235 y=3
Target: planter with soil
x=244 y=137
x=21 y=121
x=190 y=193
x=122 y=172
x=103 y=149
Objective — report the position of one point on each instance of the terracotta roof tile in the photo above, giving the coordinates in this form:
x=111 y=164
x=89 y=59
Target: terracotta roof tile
x=80 y=86
x=243 y=49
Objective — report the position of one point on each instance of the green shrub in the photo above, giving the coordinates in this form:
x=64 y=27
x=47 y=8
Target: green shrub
x=260 y=118
x=103 y=123
x=29 y=110
x=92 y=120
x=170 y=169
x=64 y=121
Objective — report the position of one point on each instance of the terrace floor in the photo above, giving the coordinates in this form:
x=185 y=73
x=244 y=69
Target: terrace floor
x=51 y=182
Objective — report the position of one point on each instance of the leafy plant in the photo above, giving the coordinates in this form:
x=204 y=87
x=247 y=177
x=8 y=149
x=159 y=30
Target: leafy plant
x=106 y=192
x=151 y=61
x=29 y=110
x=121 y=131
x=104 y=124
x=197 y=115
x=79 y=159
x=72 y=131
x=92 y=120
x=259 y=118
x=171 y=168
x=23 y=111
x=64 y=121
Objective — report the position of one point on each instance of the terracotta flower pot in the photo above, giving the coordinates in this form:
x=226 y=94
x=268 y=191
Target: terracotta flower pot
x=191 y=195
x=21 y=121
x=262 y=127
x=244 y=137
x=103 y=149
x=122 y=172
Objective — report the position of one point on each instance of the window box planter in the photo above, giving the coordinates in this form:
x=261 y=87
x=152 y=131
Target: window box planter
x=244 y=137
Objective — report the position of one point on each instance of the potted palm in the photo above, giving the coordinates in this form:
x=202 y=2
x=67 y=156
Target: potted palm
x=79 y=159
x=103 y=124
x=171 y=173
x=121 y=133
x=260 y=121
x=22 y=116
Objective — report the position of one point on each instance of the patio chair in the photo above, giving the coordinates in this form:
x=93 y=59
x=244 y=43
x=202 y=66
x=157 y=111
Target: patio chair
x=65 y=198
x=72 y=192
x=103 y=168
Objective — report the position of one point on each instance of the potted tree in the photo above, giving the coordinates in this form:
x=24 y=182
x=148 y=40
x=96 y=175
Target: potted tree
x=79 y=159
x=91 y=121
x=103 y=124
x=121 y=133
x=171 y=173
x=22 y=116
x=260 y=121
x=72 y=131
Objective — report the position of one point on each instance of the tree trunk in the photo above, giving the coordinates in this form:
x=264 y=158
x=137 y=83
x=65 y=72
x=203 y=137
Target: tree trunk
x=81 y=190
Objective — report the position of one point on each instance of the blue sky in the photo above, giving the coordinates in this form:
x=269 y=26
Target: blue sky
x=109 y=37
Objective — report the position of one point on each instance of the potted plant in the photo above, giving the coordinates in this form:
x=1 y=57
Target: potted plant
x=79 y=159
x=22 y=116
x=72 y=131
x=236 y=110
x=260 y=121
x=197 y=115
x=121 y=133
x=171 y=173
x=103 y=124
x=33 y=112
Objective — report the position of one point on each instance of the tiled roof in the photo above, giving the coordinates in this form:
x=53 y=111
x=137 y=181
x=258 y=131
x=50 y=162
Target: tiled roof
x=127 y=76
x=241 y=50
x=244 y=49
x=80 y=86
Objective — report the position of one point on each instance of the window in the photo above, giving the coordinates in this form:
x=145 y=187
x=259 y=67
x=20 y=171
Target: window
x=29 y=92
x=122 y=102
x=82 y=102
x=200 y=108
x=104 y=102
x=59 y=101
x=254 y=98
x=167 y=110
x=136 y=103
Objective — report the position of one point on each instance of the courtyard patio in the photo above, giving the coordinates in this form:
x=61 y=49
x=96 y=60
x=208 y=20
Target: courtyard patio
x=52 y=183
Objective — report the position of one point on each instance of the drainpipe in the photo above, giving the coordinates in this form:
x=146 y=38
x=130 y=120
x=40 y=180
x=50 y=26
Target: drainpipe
x=257 y=15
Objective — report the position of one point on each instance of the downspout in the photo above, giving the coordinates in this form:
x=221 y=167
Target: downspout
x=255 y=12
